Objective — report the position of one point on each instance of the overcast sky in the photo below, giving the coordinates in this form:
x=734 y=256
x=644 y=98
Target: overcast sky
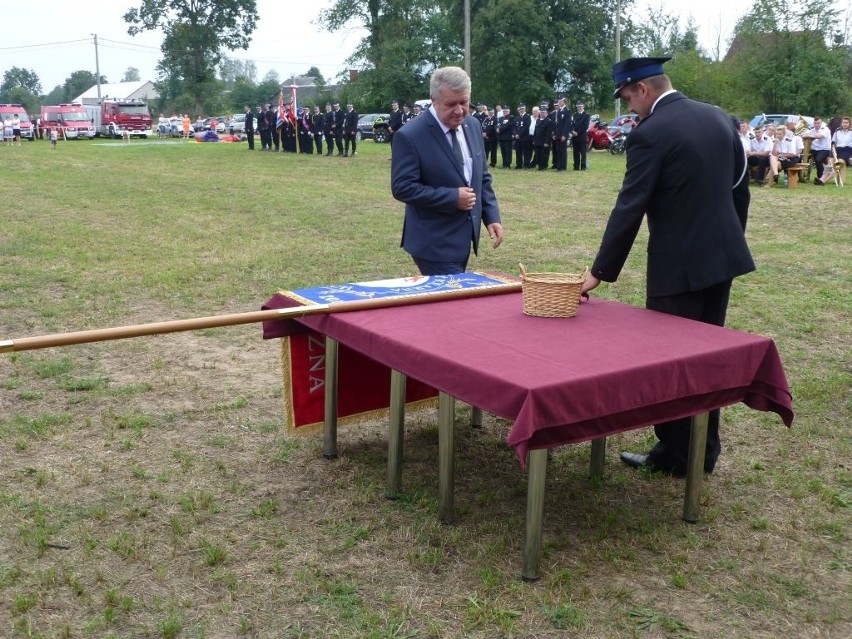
x=54 y=37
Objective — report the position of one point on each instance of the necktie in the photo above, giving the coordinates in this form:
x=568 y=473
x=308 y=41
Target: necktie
x=457 y=149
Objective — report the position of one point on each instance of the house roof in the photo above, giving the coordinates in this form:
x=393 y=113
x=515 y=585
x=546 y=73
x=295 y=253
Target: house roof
x=120 y=90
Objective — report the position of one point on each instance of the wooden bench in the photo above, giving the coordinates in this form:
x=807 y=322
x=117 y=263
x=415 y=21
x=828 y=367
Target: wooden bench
x=793 y=174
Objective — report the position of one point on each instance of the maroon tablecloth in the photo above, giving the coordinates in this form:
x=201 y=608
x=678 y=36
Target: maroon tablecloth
x=610 y=369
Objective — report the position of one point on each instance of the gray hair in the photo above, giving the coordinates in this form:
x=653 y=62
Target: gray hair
x=451 y=78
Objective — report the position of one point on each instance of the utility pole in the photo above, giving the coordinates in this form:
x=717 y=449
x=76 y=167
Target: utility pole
x=97 y=67
x=618 y=50
x=467 y=36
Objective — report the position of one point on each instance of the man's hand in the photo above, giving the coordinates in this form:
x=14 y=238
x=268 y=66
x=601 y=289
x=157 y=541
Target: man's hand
x=495 y=232
x=467 y=198
x=590 y=283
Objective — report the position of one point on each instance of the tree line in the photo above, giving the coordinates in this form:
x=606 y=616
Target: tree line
x=783 y=57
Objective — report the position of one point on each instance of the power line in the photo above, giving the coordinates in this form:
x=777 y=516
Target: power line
x=44 y=44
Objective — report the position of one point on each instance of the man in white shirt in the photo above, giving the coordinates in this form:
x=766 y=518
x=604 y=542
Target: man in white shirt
x=842 y=140
x=821 y=145
x=786 y=151
x=758 y=152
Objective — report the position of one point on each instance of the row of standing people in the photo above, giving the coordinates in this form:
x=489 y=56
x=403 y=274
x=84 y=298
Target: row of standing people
x=304 y=131
x=538 y=139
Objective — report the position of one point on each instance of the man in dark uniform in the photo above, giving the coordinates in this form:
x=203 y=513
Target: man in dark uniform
x=249 y=127
x=505 y=132
x=272 y=127
x=262 y=128
x=521 y=135
x=317 y=121
x=406 y=113
x=328 y=129
x=394 y=120
x=561 y=133
x=489 y=134
x=580 y=136
x=481 y=112
x=542 y=138
x=350 y=130
x=306 y=142
x=696 y=199
x=337 y=120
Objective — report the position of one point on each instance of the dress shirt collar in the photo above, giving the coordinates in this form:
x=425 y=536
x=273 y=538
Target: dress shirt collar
x=657 y=101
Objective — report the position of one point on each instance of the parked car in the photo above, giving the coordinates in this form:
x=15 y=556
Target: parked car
x=238 y=123
x=365 y=125
x=763 y=119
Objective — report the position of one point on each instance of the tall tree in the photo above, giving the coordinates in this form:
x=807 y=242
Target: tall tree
x=131 y=75
x=780 y=62
x=195 y=33
x=23 y=78
x=79 y=82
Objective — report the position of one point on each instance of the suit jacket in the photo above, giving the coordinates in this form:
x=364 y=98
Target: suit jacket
x=692 y=195
x=505 y=127
x=350 y=122
x=249 y=122
x=580 y=124
x=522 y=126
x=543 y=132
x=426 y=177
x=562 y=128
x=395 y=120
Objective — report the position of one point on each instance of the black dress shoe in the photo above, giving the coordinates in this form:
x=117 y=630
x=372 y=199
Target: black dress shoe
x=634 y=460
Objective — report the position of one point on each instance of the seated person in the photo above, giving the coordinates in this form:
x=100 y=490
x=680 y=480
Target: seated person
x=821 y=145
x=745 y=135
x=827 y=172
x=786 y=151
x=842 y=140
x=758 y=153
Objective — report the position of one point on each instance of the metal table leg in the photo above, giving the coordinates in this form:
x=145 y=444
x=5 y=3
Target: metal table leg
x=329 y=433
x=535 y=514
x=596 y=467
x=396 y=431
x=446 y=458
x=695 y=467
x=475 y=417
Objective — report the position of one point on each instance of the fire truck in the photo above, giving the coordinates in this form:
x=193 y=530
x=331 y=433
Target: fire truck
x=116 y=118
x=16 y=109
x=71 y=121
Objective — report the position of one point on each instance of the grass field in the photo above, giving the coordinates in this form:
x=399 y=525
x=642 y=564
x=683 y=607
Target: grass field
x=147 y=488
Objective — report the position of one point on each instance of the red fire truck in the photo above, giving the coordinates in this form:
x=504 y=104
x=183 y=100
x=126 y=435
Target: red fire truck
x=71 y=121
x=116 y=118
x=11 y=110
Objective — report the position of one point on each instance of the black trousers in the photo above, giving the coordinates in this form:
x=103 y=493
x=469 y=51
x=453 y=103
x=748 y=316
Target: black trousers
x=542 y=155
x=522 y=154
x=250 y=136
x=329 y=143
x=560 y=154
x=491 y=152
x=709 y=305
x=318 y=142
x=350 y=139
x=506 y=153
x=819 y=160
x=578 y=145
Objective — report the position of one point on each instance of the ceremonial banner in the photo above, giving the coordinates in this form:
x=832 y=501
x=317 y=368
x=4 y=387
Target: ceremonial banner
x=364 y=385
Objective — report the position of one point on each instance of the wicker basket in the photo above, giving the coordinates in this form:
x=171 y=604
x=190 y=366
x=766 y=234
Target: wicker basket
x=551 y=294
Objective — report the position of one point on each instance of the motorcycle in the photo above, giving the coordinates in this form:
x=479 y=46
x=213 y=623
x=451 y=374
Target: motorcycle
x=598 y=138
x=619 y=138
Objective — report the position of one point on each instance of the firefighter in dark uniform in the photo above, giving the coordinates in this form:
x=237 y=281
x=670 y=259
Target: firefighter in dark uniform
x=394 y=120
x=561 y=134
x=317 y=125
x=306 y=142
x=262 y=128
x=489 y=134
x=350 y=130
x=580 y=136
x=505 y=133
x=272 y=126
x=337 y=120
x=521 y=136
x=249 y=127
x=327 y=128
x=542 y=138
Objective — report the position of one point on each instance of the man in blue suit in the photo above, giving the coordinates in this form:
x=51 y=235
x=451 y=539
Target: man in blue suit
x=440 y=171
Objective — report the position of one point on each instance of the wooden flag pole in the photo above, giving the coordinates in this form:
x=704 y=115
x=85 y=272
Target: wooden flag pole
x=235 y=319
